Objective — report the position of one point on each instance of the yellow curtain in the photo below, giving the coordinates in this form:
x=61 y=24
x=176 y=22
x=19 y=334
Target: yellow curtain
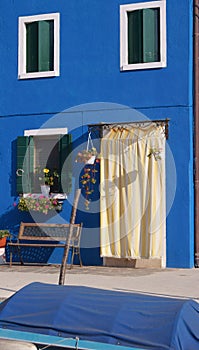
x=133 y=192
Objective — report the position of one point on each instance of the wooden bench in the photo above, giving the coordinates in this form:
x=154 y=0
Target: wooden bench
x=37 y=235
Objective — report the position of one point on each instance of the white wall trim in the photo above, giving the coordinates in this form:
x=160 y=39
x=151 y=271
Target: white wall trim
x=46 y=132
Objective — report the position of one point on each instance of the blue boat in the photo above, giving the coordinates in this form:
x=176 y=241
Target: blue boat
x=53 y=317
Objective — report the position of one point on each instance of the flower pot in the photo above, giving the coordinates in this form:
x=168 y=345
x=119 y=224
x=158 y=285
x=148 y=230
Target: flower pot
x=2 y=242
x=91 y=160
x=45 y=190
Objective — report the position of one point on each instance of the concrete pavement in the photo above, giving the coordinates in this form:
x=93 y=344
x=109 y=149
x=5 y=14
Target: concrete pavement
x=180 y=283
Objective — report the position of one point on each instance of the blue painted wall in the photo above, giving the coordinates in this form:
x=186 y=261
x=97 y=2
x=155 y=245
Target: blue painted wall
x=90 y=73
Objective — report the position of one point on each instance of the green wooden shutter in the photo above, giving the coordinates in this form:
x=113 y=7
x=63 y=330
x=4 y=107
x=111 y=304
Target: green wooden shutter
x=25 y=149
x=31 y=150
x=32 y=47
x=135 y=34
x=40 y=46
x=144 y=36
x=45 y=45
x=151 y=30
x=65 y=148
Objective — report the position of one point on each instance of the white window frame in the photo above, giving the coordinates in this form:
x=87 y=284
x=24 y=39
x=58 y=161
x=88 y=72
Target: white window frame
x=22 y=74
x=124 y=9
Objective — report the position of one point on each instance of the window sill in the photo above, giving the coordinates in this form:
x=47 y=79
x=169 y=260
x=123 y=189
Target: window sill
x=138 y=66
x=59 y=196
x=47 y=74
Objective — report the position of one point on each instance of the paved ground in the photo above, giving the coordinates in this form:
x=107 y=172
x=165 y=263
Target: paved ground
x=181 y=283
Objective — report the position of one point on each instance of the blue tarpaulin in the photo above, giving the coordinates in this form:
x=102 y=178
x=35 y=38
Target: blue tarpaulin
x=106 y=316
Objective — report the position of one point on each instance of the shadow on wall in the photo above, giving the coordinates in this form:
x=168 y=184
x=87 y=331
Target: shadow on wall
x=12 y=218
x=14 y=168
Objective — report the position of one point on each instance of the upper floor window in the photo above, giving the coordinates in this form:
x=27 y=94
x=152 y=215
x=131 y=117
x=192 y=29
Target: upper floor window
x=143 y=35
x=38 y=46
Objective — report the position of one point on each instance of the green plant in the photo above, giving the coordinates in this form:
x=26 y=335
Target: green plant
x=4 y=233
x=40 y=204
x=46 y=176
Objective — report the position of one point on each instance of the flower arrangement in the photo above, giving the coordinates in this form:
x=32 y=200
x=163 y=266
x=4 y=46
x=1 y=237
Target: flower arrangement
x=46 y=176
x=86 y=155
x=40 y=204
x=88 y=179
x=89 y=157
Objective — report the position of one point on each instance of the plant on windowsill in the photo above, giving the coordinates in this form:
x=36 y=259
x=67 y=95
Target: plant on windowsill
x=40 y=204
x=47 y=178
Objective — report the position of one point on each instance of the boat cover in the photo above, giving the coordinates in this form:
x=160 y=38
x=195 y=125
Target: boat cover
x=105 y=316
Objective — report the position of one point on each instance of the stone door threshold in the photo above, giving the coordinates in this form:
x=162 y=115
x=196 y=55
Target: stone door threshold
x=134 y=263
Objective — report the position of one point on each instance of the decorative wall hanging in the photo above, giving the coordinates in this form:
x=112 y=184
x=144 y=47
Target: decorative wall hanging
x=90 y=158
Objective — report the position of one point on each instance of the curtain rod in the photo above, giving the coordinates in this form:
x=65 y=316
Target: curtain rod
x=102 y=126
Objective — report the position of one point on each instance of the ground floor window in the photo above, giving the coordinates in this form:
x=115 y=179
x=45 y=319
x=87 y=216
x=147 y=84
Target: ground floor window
x=43 y=157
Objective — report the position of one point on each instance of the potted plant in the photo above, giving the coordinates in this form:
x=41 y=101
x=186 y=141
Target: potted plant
x=47 y=178
x=87 y=156
x=3 y=236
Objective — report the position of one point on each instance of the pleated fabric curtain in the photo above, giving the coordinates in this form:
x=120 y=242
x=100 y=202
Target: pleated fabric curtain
x=132 y=203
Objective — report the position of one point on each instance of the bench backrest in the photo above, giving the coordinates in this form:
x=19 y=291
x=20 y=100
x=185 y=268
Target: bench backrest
x=49 y=232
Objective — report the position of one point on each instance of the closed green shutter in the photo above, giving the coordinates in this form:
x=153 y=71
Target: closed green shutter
x=45 y=46
x=65 y=148
x=32 y=47
x=144 y=36
x=135 y=34
x=151 y=30
x=40 y=46
x=31 y=150
x=25 y=151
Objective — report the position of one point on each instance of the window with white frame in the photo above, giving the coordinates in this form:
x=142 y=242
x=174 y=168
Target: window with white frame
x=44 y=149
x=38 y=46
x=143 y=35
